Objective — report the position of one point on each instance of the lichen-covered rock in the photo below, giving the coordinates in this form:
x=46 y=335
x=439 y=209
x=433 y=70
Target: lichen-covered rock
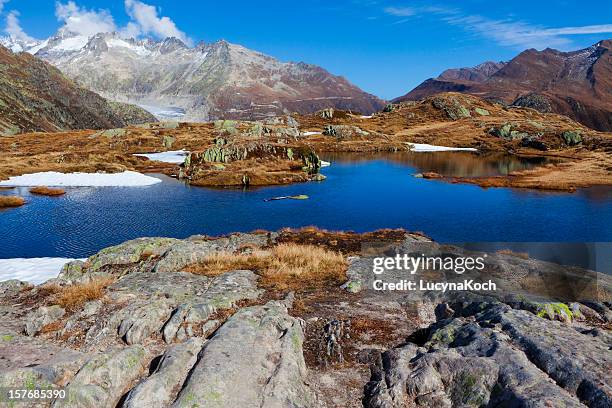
x=144 y=320
x=130 y=253
x=534 y=101
x=572 y=138
x=390 y=107
x=270 y=372
x=195 y=249
x=452 y=107
x=161 y=387
x=344 y=131
x=41 y=317
x=105 y=378
x=12 y=287
x=168 y=141
x=326 y=113
x=482 y=112
x=222 y=292
x=227 y=126
x=505 y=357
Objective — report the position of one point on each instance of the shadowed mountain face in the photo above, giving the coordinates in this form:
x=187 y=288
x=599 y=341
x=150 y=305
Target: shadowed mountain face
x=205 y=82
x=35 y=96
x=577 y=84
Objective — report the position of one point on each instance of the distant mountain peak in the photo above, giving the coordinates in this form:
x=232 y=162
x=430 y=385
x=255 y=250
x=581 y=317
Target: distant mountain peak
x=207 y=81
x=576 y=83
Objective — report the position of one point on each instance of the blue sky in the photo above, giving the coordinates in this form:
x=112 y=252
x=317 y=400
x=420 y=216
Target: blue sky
x=385 y=47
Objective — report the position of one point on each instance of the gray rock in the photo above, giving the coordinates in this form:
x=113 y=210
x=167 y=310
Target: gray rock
x=41 y=317
x=105 y=378
x=506 y=358
x=144 y=320
x=12 y=287
x=222 y=293
x=195 y=249
x=344 y=131
x=269 y=372
x=160 y=388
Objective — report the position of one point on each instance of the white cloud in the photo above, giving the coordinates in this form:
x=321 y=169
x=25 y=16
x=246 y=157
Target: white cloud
x=13 y=28
x=83 y=21
x=145 y=20
x=511 y=33
x=591 y=29
x=519 y=34
x=400 y=11
x=2 y=3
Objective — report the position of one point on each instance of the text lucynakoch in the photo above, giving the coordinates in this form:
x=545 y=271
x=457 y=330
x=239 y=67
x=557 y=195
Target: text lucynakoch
x=413 y=264
x=421 y=285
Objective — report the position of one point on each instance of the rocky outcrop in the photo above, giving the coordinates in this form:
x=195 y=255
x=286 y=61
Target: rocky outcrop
x=344 y=132
x=160 y=336
x=159 y=389
x=490 y=354
x=269 y=374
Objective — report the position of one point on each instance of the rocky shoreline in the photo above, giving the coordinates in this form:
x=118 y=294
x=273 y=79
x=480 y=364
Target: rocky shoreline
x=185 y=323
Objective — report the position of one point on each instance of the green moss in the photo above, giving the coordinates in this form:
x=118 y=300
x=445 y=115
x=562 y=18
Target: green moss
x=445 y=335
x=7 y=337
x=30 y=382
x=296 y=340
x=467 y=391
x=552 y=310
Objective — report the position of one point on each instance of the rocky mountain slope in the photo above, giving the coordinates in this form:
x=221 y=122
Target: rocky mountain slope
x=35 y=96
x=208 y=81
x=577 y=84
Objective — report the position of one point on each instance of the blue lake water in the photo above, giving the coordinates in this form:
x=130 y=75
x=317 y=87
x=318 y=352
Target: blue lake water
x=360 y=194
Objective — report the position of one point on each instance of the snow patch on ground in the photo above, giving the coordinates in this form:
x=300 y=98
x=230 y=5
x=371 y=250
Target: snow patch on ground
x=422 y=147
x=175 y=156
x=311 y=133
x=52 y=178
x=33 y=270
x=366 y=117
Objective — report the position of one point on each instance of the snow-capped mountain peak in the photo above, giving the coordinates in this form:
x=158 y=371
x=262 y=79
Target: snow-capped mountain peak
x=204 y=82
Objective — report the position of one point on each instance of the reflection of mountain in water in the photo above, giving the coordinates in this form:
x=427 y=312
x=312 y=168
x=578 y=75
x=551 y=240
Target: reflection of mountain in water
x=452 y=164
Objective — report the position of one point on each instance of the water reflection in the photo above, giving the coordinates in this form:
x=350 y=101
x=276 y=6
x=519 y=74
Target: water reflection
x=452 y=164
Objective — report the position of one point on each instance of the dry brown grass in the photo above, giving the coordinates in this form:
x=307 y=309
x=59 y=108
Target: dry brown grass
x=74 y=296
x=11 y=201
x=283 y=267
x=47 y=191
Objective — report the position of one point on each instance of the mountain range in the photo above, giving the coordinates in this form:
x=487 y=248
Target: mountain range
x=199 y=83
x=35 y=96
x=223 y=80
x=577 y=84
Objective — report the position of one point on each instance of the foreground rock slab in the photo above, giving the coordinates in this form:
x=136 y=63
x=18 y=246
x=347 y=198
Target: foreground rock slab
x=254 y=360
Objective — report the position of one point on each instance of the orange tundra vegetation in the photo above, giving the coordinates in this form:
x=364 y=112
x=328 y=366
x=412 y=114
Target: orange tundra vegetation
x=47 y=191
x=282 y=267
x=75 y=296
x=11 y=201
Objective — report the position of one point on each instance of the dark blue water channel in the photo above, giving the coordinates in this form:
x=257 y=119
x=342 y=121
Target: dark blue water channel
x=361 y=193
